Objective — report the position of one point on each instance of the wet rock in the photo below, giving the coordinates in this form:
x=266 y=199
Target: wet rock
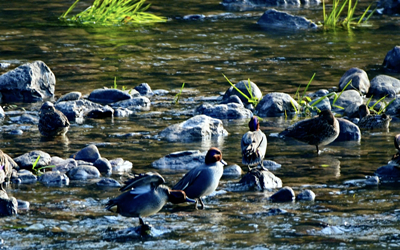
x=276 y=211
x=2 y=114
x=132 y=233
x=160 y=92
x=62 y=165
x=103 y=165
x=71 y=110
x=30 y=82
x=232 y=99
x=122 y=112
x=281 y=20
x=100 y=113
x=8 y=205
x=347 y=98
x=359 y=80
x=258 y=180
x=392 y=58
x=389 y=7
x=107 y=96
x=241 y=85
x=71 y=96
x=90 y=154
x=83 y=172
x=26 y=160
x=224 y=111
x=388 y=173
x=275 y=104
x=394 y=108
x=323 y=104
x=232 y=171
x=351 y=111
x=136 y=103
x=306 y=195
x=120 y=165
x=348 y=131
x=263 y=3
x=144 y=89
x=198 y=127
x=319 y=93
x=182 y=160
x=54 y=178
x=16 y=132
x=271 y=165
x=23 y=205
x=27 y=118
x=108 y=182
x=23 y=176
x=194 y=17
x=383 y=85
x=285 y=194
x=372 y=181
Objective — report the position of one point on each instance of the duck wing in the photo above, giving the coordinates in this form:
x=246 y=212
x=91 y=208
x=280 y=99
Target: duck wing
x=143 y=182
x=306 y=130
x=188 y=179
x=254 y=146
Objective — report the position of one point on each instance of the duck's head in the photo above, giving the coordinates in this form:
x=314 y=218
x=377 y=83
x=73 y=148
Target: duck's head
x=363 y=110
x=397 y=141
x=47 y=106
x=214 y=155
x=327 y=115
x=254 y=124
x=178 y=196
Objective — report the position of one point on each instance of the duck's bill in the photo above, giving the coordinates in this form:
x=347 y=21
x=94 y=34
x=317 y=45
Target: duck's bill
x=190 y=200
x=224 y=162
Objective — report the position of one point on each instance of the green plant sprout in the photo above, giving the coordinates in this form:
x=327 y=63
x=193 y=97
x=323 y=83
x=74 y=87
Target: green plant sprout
x=178 y=95
x=114 y=12
x=37 y=171
x=116 y=86
x=382 y=109
x=252 y=99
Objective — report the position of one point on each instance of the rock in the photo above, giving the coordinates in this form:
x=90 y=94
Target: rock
x=232 y=99
x=30 y=82
x=383 y=85
x=16 y=132
x=242 y=86
x=54 y=178
x=372 y=181
x=71 y=96
x=323 y=104
x=224 y=111
x=281 y=20
x=275 y=104
x=390 y=7
x=391 y=62
x=83 y=172
x=120 y=165
x=348 y=131
x=285 y=194
x=136 y=103
x=198 y=127
x=306 y=195
x=182 y=160
x=23 y=205
x=259 y=180
x=107 y=96
x=351 y=111
x=2 y=114
x=388 y=173
x=100 y=113
x=62 y=165
x=276 y=211
x=194 y=17
x=144 y=89
x=108 y=182
x=232 y=171
x=27 y=118
x=90 y=154
x=271 y=165
x=122 y=112
x=319 y=93
x=8 y=206
x=24 y=176
x=71 y=110
x=347 y=98
x=359 y=80
x=103 y=165
x=394 y=108
x=26 y=160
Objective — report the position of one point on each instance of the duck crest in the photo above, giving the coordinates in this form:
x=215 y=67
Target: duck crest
x=213 y=155
x=254 y=124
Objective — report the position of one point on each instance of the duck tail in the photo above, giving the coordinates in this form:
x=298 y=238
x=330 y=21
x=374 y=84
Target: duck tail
x=111 y=203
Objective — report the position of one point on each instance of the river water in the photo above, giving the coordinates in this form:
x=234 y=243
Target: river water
x=198 y=52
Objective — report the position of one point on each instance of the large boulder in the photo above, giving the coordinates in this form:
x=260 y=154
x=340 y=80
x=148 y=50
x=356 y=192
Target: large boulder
x=276 y=104
x=182 y=160
x=26 y=160
x=383 y=85
x=348 y=131
x=106 y=96
x=347 y=98
x=359 y=80
x=197 y=127
x=224 y=111
x=30 y=82
x=255 y=91
x=281 y=20
x=392 y=59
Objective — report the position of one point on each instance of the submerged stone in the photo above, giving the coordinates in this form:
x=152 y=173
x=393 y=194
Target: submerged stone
x=83 y=172
x=306 y=195
x=108 y=182
x=90 y=154
x=278 y=19
x=54 y=178
x=106 y=96
x=285 y=194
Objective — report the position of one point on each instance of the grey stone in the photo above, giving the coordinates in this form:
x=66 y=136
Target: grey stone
x=8 y=205
x=62 y=165
x=107 y=96
x=232 y=171
x=193 y=17
x=83 y=172
x=383 y=85
x=224 y=111
x=103 y=165
x=388 y=173
x=359 y=80
x=390 y=7
x=23 y=205
x=394 y=108
x=30 y=82
x=241 y=85
x=182 y=160
x=348 y=131
x=16 y=132
x=232 y=99
x=144 y=89
x=27 y=118
x=319 y=93
x=71 y=96
x=54 y=178
x=72 y=110
x=197 y=127
x=306 y=195
x=2 y=114
x=122 y=112
x=285 y=194
x=351 y=111
x=271 y=165
x=26 y=160
x=347 y=98
x=108 y=182
x=275 y=104
x=258 y=180
x=24 y=176
x=136 y=103
x=281 y=20
x=90 y=154
x=392 y=58
x=372 y=181
x=323 y=104
x=120 y=165
x=103 y=112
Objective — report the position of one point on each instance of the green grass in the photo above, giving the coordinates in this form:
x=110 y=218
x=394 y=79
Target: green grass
x=178 y=95
x=252 y=99
x=114 y=12
x=382 y=109
x=37 y=171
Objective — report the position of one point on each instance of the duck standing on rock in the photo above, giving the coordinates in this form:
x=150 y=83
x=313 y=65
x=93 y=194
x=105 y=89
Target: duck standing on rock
x=369 y=121
x=52 y=122
x=254 y=145
x=318 y=131
x=145 y=196
x=204 y=179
